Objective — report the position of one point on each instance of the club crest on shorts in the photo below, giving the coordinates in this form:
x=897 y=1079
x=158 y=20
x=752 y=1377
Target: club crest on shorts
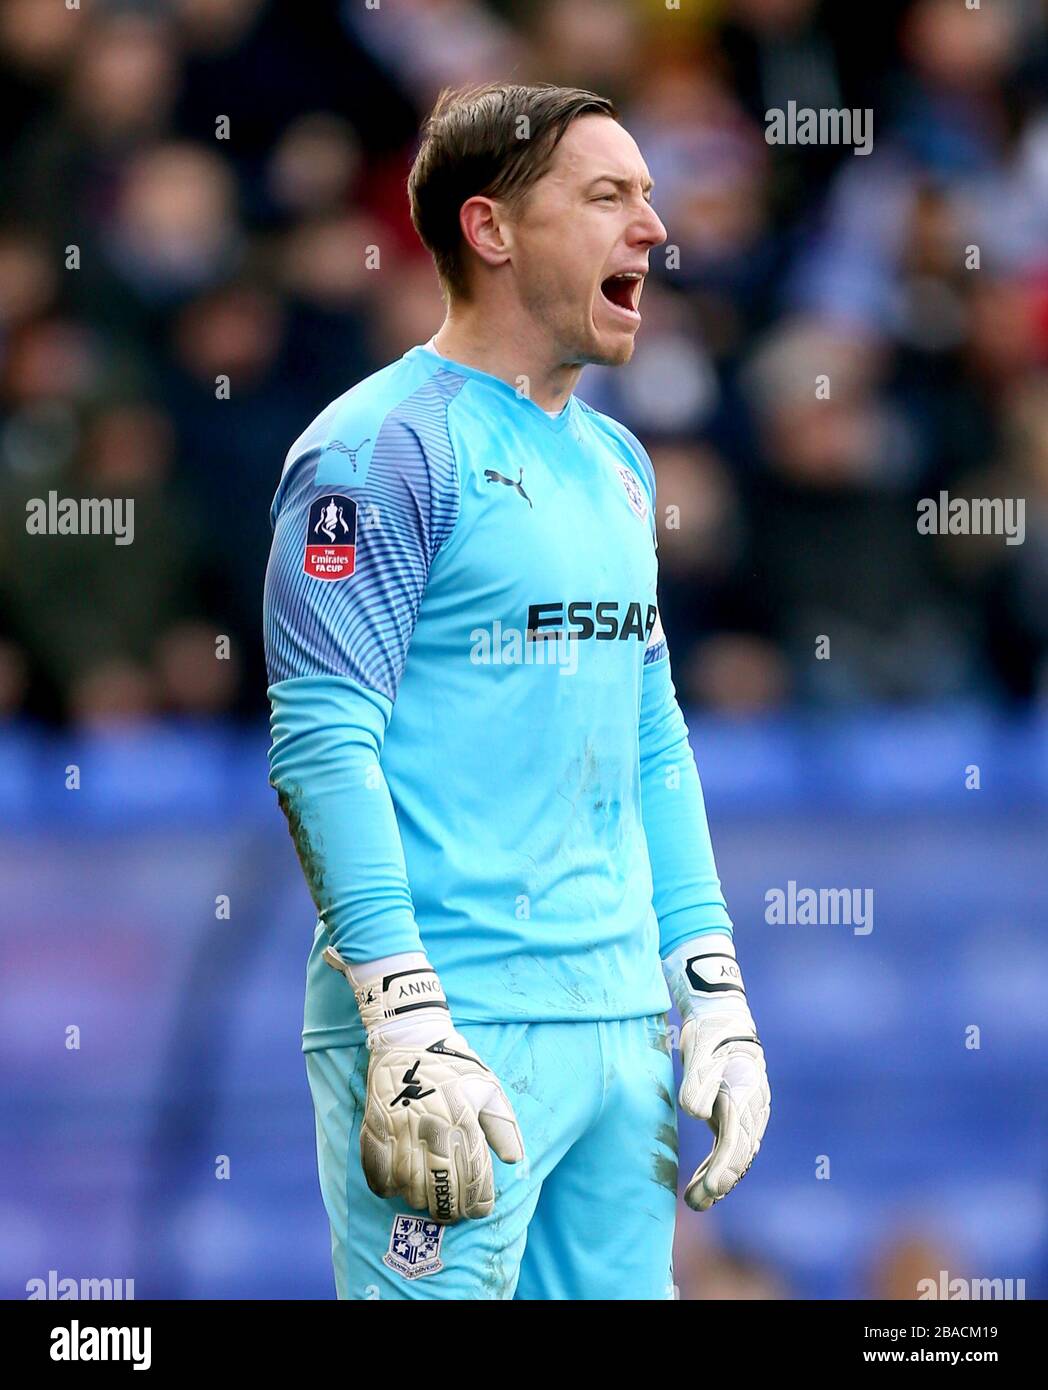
x=331 y=537
x=634 y=491
x=414 y=1247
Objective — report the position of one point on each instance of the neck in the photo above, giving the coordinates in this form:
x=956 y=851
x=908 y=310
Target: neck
x=480 y=339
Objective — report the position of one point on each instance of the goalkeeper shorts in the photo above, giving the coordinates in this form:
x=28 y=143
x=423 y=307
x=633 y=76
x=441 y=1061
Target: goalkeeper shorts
x=590 y=1212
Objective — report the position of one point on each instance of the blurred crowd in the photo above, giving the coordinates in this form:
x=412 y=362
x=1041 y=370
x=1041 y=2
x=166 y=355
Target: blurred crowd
x=193 y=193
x=707 y=1270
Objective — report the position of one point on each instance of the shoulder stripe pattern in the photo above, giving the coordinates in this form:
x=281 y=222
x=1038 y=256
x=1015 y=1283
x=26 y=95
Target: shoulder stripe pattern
x=360 y=626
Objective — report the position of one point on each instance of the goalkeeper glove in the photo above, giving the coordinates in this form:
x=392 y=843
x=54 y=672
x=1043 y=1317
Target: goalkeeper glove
x=432 y=1106
x=725 y=1079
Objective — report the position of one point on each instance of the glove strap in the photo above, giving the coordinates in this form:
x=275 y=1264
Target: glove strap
x=704 y=977
x=390 y=989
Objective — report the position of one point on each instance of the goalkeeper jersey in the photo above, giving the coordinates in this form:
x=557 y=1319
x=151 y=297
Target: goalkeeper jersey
x=475 y=737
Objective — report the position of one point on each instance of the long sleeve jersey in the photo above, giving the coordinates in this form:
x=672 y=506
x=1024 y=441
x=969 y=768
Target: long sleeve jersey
x=475 y=735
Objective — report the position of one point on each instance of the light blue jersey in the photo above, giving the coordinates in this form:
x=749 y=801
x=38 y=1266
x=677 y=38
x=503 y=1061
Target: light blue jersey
x=475 y=735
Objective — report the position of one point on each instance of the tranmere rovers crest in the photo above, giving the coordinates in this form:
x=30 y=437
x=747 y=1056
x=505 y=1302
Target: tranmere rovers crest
x=414 y=1247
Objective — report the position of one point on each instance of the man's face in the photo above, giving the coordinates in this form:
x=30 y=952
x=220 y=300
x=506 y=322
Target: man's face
x=581 y=243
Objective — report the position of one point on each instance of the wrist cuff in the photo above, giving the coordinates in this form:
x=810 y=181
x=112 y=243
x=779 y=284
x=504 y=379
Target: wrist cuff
x=391 y=988
x=703 y=975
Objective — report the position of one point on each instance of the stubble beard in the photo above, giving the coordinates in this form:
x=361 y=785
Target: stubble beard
x=581 y=345
x=576 y=339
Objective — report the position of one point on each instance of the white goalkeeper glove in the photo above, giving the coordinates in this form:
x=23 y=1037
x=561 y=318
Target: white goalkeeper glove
x=433 y=1107
x=725 y=1079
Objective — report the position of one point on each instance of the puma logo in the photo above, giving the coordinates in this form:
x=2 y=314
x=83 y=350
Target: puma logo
x=494 y=477
x=341 y=448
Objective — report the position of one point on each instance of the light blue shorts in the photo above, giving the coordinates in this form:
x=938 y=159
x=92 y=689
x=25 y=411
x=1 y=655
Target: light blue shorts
x=590 y=1212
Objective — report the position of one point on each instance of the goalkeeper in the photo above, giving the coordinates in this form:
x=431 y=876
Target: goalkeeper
x=478 y=748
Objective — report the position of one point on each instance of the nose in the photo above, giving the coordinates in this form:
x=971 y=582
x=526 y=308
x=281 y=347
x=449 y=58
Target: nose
x=649 y=230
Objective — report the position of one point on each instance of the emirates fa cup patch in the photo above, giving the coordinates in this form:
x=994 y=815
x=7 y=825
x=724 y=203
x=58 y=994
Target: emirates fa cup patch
x=634 y=491
x=414 y=1247
x=331 y=538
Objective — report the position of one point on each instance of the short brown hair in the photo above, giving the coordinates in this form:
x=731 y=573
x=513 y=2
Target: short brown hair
x=472 y=145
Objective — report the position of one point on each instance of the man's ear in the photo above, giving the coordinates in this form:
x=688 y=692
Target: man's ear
x=485 y=230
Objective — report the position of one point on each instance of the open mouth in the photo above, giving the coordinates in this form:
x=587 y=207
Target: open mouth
x=623 y=291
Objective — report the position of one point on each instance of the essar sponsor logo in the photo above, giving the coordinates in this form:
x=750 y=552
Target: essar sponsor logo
x=605 y=620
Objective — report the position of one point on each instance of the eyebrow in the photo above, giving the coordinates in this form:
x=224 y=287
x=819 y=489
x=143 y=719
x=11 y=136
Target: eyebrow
x=624 y=184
